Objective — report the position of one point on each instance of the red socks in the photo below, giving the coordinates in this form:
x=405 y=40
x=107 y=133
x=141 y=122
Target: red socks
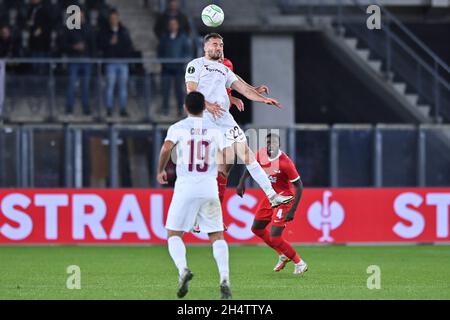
x=264 y=234
x=222 y=185
x=278 y=244
x=286 y=249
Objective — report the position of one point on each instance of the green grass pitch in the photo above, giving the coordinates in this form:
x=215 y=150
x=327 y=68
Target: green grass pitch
x=336 y=272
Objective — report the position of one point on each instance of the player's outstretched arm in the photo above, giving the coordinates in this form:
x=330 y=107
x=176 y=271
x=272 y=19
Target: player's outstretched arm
x=260 y=89
x=253 y=95
x=238 y=102
x=241 y=186
x=164 y=157
x=298 y=195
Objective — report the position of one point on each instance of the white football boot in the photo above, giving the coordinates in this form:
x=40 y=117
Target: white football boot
x=300 y=268
x=282 y=262
x=277 y=200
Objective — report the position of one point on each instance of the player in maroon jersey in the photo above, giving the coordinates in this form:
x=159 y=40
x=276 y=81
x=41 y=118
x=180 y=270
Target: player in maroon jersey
x=286 y=181
x=222 y=177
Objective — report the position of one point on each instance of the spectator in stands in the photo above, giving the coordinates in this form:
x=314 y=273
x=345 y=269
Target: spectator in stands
x=115 y=42
x=173 y=44
x=98 y=11
x=79 y=43
x=39 y=27
x=10 y=45
x=57 y=13
x=172 y=12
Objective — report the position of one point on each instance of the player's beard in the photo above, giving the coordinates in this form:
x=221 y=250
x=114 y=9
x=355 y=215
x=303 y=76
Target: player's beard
x=214 y=55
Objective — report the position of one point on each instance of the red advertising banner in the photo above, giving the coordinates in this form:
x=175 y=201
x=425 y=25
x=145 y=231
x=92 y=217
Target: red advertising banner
x=138 y=216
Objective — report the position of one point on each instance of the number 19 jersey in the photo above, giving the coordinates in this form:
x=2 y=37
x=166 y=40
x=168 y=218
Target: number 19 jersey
x=197 y=142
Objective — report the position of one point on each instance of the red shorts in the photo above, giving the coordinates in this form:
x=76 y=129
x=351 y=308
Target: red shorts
x=265 y=212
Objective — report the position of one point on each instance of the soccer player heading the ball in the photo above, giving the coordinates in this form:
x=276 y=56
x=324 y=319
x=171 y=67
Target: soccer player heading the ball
x=222 y=178
x=210 y=77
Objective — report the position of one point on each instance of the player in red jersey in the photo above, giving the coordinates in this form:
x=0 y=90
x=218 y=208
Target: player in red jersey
x=286 y=181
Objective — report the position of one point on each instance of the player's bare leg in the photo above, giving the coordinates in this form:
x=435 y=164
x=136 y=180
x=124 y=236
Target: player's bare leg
x=177 y=251
x=254 y=168
x=276 y=233
x=226 y=160
x=220 y=252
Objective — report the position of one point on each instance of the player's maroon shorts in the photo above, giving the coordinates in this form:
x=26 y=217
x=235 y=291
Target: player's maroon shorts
x=265 y=212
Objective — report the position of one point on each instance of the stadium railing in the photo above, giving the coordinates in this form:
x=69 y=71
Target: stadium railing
x=126 y=155
x=404 y=56
x=35 y=90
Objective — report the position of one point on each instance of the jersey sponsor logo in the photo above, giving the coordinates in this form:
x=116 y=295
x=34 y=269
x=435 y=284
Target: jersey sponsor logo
x=226 y=69
x=326 y=216
x=191 y=70
x=214 y=70
x=273 y=179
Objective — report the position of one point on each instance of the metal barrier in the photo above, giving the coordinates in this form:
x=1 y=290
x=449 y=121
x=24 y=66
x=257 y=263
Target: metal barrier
x=126 y=156
x=405 y=57
x=37 y=90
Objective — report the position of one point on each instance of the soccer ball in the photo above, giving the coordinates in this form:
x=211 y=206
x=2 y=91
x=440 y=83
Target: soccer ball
x=213 y=16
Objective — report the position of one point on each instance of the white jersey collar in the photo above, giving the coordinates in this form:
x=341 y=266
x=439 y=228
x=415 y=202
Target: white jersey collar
x=209 y=60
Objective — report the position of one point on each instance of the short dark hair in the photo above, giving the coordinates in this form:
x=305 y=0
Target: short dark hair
x=273 y=135
x=212 y=36
x=113 y=11
x=195 y=103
